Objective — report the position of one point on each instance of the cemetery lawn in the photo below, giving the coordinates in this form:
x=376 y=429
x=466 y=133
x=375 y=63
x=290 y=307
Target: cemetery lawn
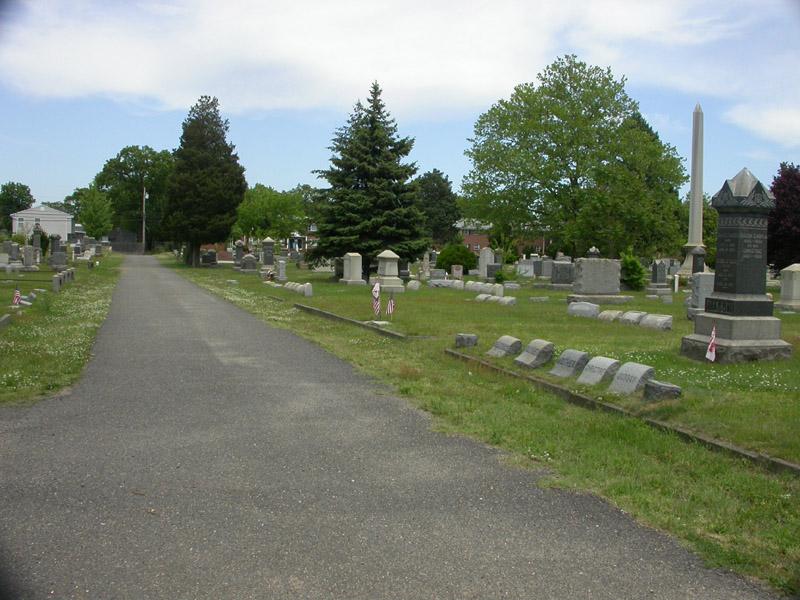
x=733 y=513
x=47 y=345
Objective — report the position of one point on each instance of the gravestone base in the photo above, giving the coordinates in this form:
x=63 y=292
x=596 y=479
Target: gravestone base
x=388 y=283
x=599 y=298
x=788 y=306
x=735 y=351
x=658 y=289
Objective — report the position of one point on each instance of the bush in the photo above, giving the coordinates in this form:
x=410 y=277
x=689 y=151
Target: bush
x=499 y=277
x=632 y=273
x=456 y=254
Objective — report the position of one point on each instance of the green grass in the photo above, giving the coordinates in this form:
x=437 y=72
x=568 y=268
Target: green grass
x=47 y=345
x=733 y=513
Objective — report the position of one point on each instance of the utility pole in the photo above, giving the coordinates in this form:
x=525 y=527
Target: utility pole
x=144 y=220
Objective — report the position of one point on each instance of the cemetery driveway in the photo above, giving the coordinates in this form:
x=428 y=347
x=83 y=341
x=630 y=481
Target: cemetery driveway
x=206 y=455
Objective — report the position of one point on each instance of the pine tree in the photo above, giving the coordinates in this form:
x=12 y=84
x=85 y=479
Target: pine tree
x=436 y=200
x=371 y=202
x=207 y=184
x=783 y=229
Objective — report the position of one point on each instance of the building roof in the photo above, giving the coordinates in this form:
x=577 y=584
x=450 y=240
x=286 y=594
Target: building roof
x=40 y=211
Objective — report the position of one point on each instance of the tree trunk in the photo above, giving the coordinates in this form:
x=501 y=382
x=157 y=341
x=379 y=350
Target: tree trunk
x=195 y=255
x=187 y=254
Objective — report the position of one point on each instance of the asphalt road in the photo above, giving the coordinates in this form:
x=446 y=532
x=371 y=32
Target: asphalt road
x=207 y=455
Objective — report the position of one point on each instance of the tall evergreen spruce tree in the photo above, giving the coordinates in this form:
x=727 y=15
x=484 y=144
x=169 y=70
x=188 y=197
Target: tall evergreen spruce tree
x=371 y=204
x=207 y=184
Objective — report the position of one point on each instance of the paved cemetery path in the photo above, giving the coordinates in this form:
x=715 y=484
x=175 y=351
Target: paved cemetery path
x=206 y=455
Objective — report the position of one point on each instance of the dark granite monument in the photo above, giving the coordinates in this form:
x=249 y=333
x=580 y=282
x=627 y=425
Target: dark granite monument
x=739 y=311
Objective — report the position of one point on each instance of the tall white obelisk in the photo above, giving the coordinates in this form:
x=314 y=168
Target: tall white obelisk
x=696 y=191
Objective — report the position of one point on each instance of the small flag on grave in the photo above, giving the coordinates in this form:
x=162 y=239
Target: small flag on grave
x=390 y=305
x=376 y=299
x=711 y=352
x=17 y=297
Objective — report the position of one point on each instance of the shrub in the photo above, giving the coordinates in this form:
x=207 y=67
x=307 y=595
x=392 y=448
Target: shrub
x=456 y=254
x=632 y=273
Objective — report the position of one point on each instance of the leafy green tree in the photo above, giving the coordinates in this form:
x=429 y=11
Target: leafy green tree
x=207 y=183
x=96 y=214
x=437 y=201
x=783 y=231
x=134 y=171
x=371 y=203
x=267 y=212
x=572 y=158
x=456 y=253
x=14 y=197
x=314 y=201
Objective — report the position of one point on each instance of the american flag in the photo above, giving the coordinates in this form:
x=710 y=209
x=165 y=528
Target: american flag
x=711 y=352
x=390 y=305
x=17 y=297
x=376 y=299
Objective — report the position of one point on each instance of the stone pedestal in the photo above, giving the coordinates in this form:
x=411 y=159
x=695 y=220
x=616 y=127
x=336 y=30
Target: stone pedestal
x=739 y=308
x=238 y=253
x=485 y=258
x=790 y=289
x=268 y=252
x=352 y=269
x=387 y=273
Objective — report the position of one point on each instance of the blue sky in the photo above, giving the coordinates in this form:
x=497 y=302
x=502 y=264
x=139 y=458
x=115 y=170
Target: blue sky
x=80 y=80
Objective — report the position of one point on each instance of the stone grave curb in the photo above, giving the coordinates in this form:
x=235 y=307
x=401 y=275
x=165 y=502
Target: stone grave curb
x=335 y=317
x=775 y=465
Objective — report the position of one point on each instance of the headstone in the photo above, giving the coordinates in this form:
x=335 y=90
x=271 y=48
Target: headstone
x=563 y=273
x=485 y=258
x=56 y=283
x=570 y=363
x=658 y=272
x=307 y=290
x=525 y=268
x=537 y=266
x=702 y=288
x=249 y=264
x=58 y=261
x=466 y=340
x=492 y=270
x=593 y=252
x=661 y=322
x=434 y=257
x=352 y=269
x=632 y=317
x=387 y=273
x=14 y=254
x=630 y=378
x=596 y=276
x=28 y=263
x=413 y=285
x=482 y=297
x=790 y=289
x=457 y=271
x=268 y=252
x=609 y=315
x=510 y=285
x=600 y=369
x=505 y=346
x=583 y=309
x=506 y=300
x=547 y=267
x=4 y=259
x=658 y=390
x=536 y=354
x=739 y=311
x=426 y=267
x=238 y=253
x=6 y=248
x=438 y=273
x=698 y=255
x=282 y=269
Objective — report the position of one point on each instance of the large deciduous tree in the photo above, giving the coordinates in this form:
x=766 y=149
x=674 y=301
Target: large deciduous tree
x=437 y=201
x=267 y=212
x=14 y=197
x=96 y=214
x=207 y=184
x=371 y=202
x=571 y=158
x=134 y=171
x=783 y=231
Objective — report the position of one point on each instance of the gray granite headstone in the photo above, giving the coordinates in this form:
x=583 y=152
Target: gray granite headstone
x=536 y=354
x=596 y=276
x=563 y=273
x=249 y=263
x=702 y=288
x=438 y=273
x=599 y=370
x=525 y=268
x=632 y=317
x=547 y=267
x=658 y=272
x=466 y=340
x=268 y=252
x=570 y=363
x=413 y=285
x=238 y=253
x=662 y=322
x=609 y=315
x=492 y=270
x=583 y=309
x=630 y=378
x=505 y=346
x=659 y=390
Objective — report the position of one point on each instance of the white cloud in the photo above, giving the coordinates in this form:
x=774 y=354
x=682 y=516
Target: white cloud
x=780 y=124
x=430 y=57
